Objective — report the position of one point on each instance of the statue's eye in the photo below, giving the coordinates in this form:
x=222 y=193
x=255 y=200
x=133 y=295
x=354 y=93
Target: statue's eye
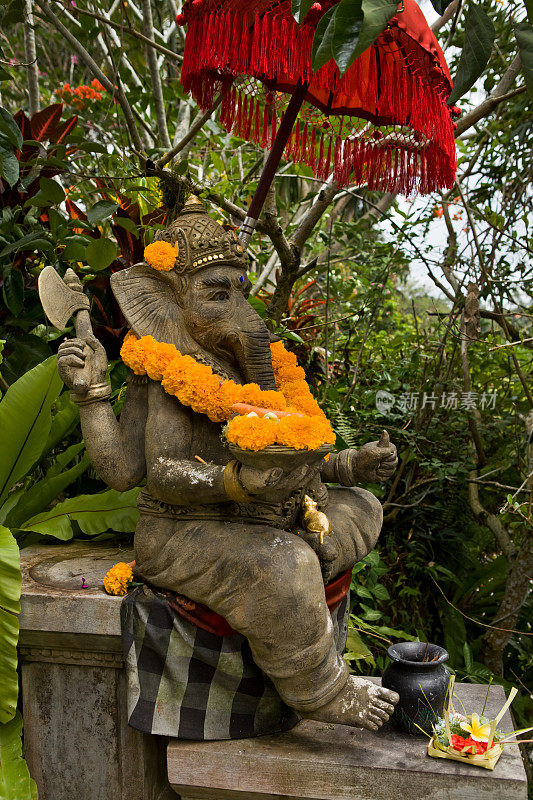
x=221 y=296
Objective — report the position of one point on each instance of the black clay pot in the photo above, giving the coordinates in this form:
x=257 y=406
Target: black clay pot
x=422 y=685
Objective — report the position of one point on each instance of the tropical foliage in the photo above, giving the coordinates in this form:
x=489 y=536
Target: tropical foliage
x=37 y=466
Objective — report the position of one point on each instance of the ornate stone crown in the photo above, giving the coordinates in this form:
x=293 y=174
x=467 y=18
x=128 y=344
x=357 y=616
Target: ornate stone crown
x=202 y=241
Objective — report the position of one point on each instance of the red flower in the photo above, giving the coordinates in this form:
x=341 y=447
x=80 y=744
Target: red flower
x=457 y=742
x=473 y=747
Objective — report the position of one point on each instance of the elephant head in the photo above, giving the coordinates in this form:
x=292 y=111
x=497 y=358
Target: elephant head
x=201 y=304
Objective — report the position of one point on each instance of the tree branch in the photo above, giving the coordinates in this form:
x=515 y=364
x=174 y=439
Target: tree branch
x=312 y=216
x=30 y=51
x=131 y=32
x=193 y=130
x=155 y=77
x=446 y=17
x=517 y=589
x=500 y=93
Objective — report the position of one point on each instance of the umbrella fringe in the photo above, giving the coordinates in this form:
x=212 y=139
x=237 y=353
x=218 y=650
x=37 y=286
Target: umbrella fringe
x=394 y=162
x=404 y=94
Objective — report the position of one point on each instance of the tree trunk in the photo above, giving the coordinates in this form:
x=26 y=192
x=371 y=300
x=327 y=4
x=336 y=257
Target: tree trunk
x=30 y=52
x=517 y=588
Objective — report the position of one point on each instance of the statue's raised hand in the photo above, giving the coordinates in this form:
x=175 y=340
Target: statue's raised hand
x=376 y=461
x=81 y=355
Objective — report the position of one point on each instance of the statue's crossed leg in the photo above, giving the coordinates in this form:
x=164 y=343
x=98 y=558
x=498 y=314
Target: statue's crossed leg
x=268 y=585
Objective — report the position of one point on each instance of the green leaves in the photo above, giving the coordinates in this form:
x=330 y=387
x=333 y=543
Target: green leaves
x=9 y=129
x=377 y=15
x=357 y=26
x=101 y=210
x=347 y=23
x=30 y=502
x=524 y=37
x=9 y=165
x=50 y=194
x=10 y=582
x=10 y=138
x=94 y=514
x=25 y=421
x=479 y=38
x=258 y=305
x=348 y=29
x=356 y=649
x=321 y=51
x=300 y=9
x=15 y=781
x=13 y=291
x=100 y=253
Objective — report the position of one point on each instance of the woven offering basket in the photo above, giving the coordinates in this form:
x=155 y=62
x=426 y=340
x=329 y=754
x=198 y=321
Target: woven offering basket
x=493 y=738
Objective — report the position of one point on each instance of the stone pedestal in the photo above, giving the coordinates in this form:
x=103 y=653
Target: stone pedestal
x=319 y=761
x=78 y=743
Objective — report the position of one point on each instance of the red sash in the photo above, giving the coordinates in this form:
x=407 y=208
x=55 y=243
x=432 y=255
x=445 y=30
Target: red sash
x=210 y=621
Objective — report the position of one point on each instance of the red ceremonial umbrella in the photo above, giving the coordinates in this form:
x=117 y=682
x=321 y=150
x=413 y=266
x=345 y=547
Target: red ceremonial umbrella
x=384 y=122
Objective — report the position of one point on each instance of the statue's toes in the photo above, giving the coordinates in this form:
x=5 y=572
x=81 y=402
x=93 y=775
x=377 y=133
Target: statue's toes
x=370 y=723
x=388 y=708
x=388 y=696
x=376 y=721
x=383 y=715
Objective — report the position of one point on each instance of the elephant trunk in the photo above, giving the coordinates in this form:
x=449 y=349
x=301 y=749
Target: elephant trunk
x=252 y=348
x=257 y=360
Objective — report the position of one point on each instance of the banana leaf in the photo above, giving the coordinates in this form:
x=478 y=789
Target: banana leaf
x=15 y=781
x=25 y=422
x=10 y=583
x=32 y=501
x=95 y=514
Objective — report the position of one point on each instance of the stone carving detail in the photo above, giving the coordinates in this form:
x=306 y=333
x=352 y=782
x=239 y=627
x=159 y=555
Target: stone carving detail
x=57 y=655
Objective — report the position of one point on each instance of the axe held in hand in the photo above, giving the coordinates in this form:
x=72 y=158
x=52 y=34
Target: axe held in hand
x=61 y=299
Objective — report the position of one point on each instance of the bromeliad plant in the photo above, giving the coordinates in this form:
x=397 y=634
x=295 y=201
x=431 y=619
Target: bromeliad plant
x=470 y=738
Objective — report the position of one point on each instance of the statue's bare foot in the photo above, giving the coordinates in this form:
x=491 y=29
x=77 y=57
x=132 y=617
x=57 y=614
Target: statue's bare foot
x=361 y=704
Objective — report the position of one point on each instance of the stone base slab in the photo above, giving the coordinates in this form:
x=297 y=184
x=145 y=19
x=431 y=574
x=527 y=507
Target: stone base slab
x=319 y=761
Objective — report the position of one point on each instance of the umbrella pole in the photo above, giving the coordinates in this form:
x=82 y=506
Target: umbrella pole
x=274 y=157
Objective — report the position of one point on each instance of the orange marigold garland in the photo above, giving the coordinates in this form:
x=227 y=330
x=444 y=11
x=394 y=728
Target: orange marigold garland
x=197 y=386
x=161 y=255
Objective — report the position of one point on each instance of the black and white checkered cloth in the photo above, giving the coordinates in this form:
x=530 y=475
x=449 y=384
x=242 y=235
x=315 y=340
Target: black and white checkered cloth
x=191 y=684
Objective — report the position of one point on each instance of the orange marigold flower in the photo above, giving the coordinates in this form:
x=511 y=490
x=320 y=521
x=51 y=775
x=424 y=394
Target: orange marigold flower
x=252 y=433
x=118 y=579
x=161 y=255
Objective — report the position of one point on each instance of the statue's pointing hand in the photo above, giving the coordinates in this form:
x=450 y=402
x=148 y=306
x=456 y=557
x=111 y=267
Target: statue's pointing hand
x=74 y=354
x=376 y=461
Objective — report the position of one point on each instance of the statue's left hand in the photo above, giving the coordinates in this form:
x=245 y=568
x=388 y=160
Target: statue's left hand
x=376 y=461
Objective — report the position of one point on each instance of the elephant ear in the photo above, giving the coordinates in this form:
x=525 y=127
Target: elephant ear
x=147 y=300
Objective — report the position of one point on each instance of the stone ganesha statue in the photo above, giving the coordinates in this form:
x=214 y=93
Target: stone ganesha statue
x=222 y=532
